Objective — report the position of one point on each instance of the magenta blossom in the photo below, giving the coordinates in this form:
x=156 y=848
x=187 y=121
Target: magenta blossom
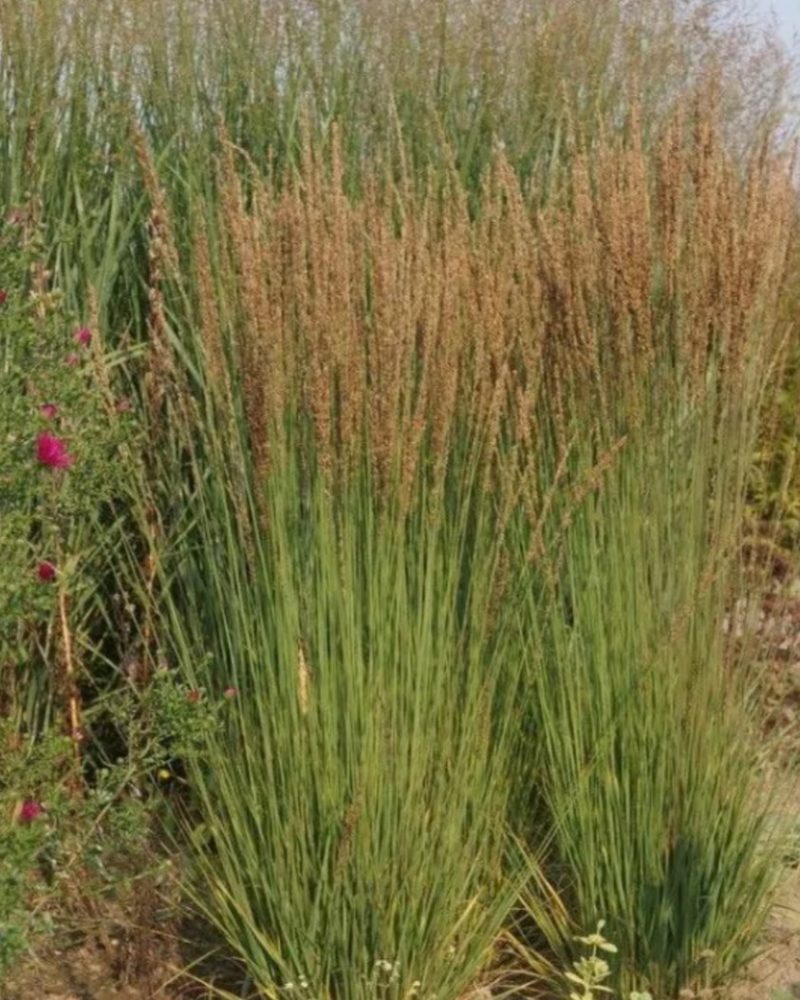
x=48 y=410
x=3 y=296
x=83 y=336
x=46 y=571
x=52 y=452
x=30 y=810
x=73 y=360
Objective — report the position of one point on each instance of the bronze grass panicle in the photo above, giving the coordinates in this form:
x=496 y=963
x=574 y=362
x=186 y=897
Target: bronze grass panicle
x=553 y=408
x=535 y=404
x=396 y=328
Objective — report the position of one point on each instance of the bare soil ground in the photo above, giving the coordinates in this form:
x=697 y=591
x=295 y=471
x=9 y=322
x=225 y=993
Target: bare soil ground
x=775 y=623
x=93 y=970
x=775 y=973
x=83 y=973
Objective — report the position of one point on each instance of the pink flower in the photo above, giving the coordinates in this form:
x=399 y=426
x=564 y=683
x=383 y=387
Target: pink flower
x=230 y=692
x=193 y=696
x=30 y=810
x=52 y=452
x=46 y=571
x=3 y=296
x=73 y=360
x=83 y=336
x=124 y=405
x=48 y=410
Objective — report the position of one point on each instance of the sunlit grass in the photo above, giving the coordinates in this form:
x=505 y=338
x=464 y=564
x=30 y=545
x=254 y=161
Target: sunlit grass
x=448 y=327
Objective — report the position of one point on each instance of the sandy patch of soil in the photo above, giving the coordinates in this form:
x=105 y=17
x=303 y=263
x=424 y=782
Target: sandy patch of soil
x=83 y=973
x=774 y=623
x=775 y=973
x=114 y=969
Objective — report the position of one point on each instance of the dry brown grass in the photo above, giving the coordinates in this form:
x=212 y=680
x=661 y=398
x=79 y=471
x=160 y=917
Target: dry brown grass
x=398 y=326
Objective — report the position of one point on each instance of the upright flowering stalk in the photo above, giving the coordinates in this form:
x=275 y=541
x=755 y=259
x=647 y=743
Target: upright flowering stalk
x=52 y=451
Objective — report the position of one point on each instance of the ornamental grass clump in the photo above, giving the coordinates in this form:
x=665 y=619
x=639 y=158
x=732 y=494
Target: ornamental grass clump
x=450 y=323
x=351 y=804
x=333 y=555
x=418 y=449
x=667 y=276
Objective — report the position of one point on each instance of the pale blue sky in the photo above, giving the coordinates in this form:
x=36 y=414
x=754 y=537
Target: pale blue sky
x=787 y=13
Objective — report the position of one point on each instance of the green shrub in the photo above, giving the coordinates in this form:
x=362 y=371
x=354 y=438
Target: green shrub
x=77 y=831
x=64 y=849
x=62 y=434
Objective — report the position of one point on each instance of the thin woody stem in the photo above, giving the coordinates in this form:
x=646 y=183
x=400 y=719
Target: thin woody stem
x=73 y=696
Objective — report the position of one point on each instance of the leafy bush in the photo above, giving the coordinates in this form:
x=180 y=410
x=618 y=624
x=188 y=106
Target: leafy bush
x=76 y=833
x=62 y=849
x=62 y=432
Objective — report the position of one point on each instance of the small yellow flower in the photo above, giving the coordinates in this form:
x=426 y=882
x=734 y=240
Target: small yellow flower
x=164 y=774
